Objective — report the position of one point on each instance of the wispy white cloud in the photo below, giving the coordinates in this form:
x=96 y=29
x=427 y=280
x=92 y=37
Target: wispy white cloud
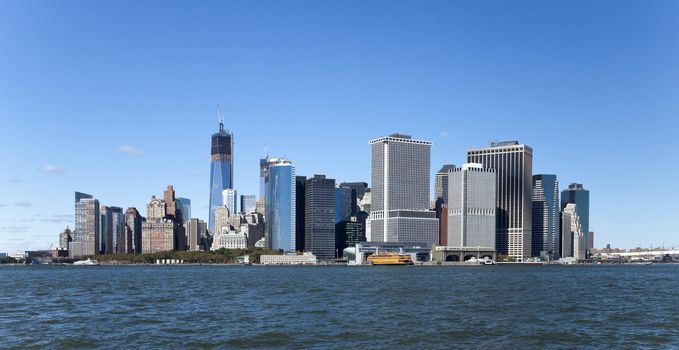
x=22 y=204
x=14 y=180
x=3 y=205
x=51 y=169
x=444 y=134
x=58 y=218
x=130 y=150
x=14 y=229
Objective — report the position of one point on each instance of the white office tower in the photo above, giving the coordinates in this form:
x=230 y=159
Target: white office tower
x=572 y=238
x=471 y=207
x=400 y=191
x=230 y=199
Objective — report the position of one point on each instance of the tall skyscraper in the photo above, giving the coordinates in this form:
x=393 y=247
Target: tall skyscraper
x=578 y=195
x=184 y=205
x=248 y=203
x=400 y=191
x=133 y=222
x=280 y=204
x=345 y=201
x=87 y=226
x=230 y=199
x=105 y=239
x=471 y=207
x=359 y=187
x=112 y=230
x=440 y=196
x=222 y=215
x=546 y=240
x=513 y=164
x=300 y=207
x=221 y=168
x=263 y=166
x=573 y=240
x=174 y=213
x=117 y=222
x=441 y=182
x=65 y=237
x=319 y=215
x=195 y=234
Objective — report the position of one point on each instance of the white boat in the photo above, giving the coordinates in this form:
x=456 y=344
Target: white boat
x=488 y=261
x=88 y=262
x=473 y=260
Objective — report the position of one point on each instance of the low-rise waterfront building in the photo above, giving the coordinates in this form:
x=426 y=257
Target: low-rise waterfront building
x=419 y=252
x=288 y=259
x=231 y=240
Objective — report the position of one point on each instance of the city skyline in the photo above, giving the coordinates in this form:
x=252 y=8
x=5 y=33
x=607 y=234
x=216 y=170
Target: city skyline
x=97 y=122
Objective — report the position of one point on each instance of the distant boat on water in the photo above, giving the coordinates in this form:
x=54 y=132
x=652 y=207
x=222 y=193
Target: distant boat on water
x=88 y=262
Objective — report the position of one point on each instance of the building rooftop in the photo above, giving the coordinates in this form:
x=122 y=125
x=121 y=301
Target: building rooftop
x=575 y=186
x=504 y=143
x=446 y=168
x=400 y=136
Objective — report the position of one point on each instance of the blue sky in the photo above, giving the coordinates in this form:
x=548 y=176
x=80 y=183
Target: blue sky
x=593 y=87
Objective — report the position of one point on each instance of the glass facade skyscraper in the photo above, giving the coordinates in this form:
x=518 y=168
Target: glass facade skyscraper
x=578 y=195
x=300 y=183
x=87 y=226
x=112 y=230
x=441 y=183
x=546 y=242
x=185 y=207
x=248 y=203
x=344 y=197
x=230 y=199
x=221 y=170
x=280 y=204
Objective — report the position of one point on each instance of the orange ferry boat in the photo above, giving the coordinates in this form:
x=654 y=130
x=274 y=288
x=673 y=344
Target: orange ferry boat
x=390 y=258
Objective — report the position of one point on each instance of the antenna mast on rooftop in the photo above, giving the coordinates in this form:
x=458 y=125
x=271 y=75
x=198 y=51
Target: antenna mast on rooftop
x=220 y=117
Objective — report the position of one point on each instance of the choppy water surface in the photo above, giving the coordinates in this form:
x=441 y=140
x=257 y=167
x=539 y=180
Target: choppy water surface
x=163 y=307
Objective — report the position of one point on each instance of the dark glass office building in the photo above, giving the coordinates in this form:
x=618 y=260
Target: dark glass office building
x=319 y=215
x=546 y=240
x=349 y=233
x=300 y=182
x=345 y=202
x=221 y=170
x=359 y=187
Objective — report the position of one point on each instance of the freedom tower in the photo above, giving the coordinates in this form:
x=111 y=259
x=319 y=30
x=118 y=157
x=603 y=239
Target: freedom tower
x=221 y=167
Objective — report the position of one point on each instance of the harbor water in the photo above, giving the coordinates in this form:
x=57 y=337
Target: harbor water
x=211 y=307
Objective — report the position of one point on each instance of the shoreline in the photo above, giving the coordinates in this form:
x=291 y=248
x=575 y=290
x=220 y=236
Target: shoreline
x=345 y=265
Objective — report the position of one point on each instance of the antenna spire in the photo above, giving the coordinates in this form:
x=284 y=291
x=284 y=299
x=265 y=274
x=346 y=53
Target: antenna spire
x=220 y=117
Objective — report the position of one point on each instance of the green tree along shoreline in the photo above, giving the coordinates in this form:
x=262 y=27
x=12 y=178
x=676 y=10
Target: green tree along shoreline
x=220 y=256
